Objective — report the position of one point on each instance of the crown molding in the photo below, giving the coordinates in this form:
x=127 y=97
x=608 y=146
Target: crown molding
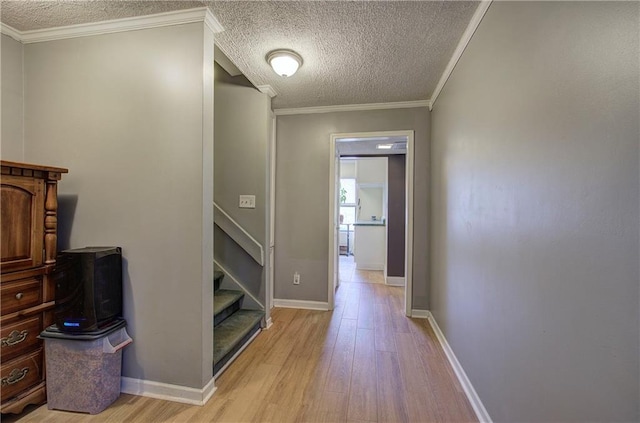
x=462 y=45
x=11 y=32
x=267 y=89
x=211 y=22
x=178 y=17
x=223 y=60
x=353 y=107
x=233 y=69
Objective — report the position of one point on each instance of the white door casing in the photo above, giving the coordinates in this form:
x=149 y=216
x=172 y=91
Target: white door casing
x=334 y=183
x=334 y=224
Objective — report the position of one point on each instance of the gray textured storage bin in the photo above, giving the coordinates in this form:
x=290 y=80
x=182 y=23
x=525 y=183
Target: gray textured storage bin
x=84 y=375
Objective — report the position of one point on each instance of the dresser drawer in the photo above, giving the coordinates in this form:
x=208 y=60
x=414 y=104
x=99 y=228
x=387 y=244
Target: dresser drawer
x=20 y=337
x=21 y=294
x=20 y=374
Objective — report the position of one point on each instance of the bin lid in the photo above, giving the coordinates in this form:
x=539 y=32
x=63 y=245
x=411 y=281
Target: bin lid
x=54 y=332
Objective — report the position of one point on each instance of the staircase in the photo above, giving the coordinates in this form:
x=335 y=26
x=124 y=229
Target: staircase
x=233 y=326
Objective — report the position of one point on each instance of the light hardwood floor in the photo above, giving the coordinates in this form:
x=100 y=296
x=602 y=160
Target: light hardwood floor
x=363 y=362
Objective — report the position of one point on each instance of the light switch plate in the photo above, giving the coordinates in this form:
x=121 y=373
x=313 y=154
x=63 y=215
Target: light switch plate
x=247 y=202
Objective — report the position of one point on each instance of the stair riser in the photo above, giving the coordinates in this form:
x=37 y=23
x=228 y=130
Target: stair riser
x=220 y=317
x=219 y=364
x=217 y=282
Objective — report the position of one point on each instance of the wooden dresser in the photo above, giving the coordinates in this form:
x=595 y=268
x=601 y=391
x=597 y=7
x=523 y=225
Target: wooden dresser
x=28 y=224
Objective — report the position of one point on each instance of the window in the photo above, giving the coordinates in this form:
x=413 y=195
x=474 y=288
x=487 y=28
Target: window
x=348 y=200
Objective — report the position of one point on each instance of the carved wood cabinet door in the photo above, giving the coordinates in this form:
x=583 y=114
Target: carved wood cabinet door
x=22 y=223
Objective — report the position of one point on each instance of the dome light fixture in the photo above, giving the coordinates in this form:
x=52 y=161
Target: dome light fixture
x=284 y=62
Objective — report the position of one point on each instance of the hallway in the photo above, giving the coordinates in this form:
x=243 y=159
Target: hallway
x=365 y=361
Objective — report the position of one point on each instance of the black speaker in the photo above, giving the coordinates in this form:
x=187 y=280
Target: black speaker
x=88 y=288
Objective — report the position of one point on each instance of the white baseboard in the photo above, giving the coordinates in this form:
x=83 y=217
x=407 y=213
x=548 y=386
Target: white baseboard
x=395 y=280
x=420 y=314
x=269 y=323
x=308 y=305
x=167 y=392
x=369 y=266
x=472 y=395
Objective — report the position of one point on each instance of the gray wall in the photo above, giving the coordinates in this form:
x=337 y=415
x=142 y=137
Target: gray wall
x=242 y=136
x=302 y=193
x=396 y=214
x=535 y=211
x=124 y=112
x=242 y=122
x=11 y=145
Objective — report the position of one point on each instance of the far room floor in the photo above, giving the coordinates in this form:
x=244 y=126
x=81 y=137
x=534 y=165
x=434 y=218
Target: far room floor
x=349 y=273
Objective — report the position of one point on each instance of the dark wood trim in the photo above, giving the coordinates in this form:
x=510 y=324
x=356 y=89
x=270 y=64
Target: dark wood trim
x=8 y=168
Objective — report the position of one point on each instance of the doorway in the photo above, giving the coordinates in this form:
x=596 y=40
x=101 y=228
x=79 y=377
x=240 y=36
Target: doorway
x=371 y=222
x=364 y=216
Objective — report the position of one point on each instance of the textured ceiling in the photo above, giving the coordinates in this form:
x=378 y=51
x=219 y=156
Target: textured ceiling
x=354 y=52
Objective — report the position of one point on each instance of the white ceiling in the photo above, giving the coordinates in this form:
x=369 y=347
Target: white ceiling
x=354 y=52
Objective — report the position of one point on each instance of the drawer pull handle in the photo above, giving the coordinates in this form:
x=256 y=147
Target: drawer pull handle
x=15 y=376
x=19 y=296
x=14 y=338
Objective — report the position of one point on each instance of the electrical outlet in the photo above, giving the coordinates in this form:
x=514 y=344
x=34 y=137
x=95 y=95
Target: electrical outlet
x=296 y=278
x=247 y=202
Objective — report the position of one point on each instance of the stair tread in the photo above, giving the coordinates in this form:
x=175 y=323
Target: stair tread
x=228 y=333
x=223 y=298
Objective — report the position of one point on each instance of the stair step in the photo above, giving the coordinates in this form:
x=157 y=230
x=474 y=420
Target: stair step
x=232 y=334
x=217 y=279
x=225 y=303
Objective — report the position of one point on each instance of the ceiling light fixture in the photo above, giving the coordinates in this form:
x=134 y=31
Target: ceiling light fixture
x=284 y=62
x=384 y=146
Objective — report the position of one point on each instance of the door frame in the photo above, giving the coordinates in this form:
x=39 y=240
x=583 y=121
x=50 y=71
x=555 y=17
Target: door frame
x=409 y=194
x=334 y=224
x=271 y=219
